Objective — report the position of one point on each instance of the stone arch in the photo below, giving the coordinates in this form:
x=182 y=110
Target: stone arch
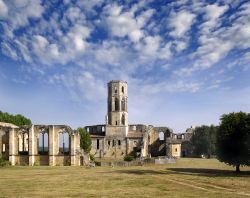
x=43 y=141
x=23 y=141
x=64 y=141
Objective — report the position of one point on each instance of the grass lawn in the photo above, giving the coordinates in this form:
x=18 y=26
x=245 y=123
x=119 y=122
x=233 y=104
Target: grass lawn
x=186 y=178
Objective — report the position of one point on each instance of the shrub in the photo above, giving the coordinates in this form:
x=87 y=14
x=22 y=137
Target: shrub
x=4 y=162
x=128 y=158
x=92 y=158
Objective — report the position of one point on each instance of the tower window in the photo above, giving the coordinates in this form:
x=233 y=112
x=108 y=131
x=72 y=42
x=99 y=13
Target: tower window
x=115 y=122
x=109 y=142
x=117 y=104
x=119 y=142
x=122 y=89
x=123 y=105
x=97 y=144
x=123 y=119
x=115 y=89
x=110 y=105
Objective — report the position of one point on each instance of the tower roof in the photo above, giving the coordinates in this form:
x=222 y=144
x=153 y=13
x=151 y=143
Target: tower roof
x=117 y=81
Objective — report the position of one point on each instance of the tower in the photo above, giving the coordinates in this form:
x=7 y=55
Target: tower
x=117 y=103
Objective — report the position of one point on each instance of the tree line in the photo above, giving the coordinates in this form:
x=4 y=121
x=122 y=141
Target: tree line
x=18 y=120
x=229 y=142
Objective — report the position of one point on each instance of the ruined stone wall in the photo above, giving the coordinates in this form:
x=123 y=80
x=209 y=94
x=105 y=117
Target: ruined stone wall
x=157 y=147
x=134 y=146
x=116 y=131
x=109 y=147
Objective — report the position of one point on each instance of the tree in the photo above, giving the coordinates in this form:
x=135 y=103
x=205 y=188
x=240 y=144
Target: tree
x=18 y=120
x=203 y=140
x=85 y=141
x=233 y=139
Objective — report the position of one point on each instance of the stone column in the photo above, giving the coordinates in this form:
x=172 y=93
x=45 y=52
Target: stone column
x=12 y=147
x=73 y=150
x=52 y=146
x=31 y=146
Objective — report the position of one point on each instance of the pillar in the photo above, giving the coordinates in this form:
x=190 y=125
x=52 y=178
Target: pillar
x=12 y=147
x=73 y=150
x=52 y=146
x=31 y=146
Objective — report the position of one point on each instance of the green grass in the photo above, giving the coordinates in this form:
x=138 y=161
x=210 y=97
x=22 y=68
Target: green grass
x=186 y=178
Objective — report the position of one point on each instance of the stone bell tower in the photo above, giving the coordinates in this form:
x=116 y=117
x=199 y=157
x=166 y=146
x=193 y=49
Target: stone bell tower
x=117 y=103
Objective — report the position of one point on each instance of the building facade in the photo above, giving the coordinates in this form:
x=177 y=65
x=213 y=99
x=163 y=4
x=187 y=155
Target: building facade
x=60 y=145
x=53 y=145
x=117 y=138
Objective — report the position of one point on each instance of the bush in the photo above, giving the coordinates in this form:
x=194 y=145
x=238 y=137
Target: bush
x=92 y=158
x=85 y=141
x=128 y=158
x=17 y=120
x=4 y=162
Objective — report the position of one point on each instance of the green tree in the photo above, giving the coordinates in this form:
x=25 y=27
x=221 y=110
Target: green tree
x=18 y=120
x=85 y=141
x=233 y=139
x=203 y=140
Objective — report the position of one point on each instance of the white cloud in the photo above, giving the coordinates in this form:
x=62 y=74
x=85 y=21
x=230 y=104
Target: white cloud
x=20 y=11
x=181 y=22
x=3 y=9
x=9 y=51
x=211 y=16
x=122 y=24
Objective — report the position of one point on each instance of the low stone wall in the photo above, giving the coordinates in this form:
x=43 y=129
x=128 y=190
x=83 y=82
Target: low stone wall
x=165 y=161
x=122 y=163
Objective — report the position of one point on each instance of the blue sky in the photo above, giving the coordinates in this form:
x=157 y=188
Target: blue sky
x=186 y=62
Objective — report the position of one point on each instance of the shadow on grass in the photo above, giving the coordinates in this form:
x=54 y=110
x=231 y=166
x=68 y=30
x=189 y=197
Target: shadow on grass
x=208 y=172
x=140 y=172
x=188 y=171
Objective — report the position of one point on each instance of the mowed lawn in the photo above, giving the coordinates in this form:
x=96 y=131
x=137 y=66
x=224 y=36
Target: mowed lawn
x=186 y=178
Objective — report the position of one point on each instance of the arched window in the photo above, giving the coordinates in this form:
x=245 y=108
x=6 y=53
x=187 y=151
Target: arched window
x=123 y=119
x=23 y=143
x=43 y=143
x=122 y=89
x=64 y=142
x=119 y=142
x=161 y=135
x=123 y=104
x=117 y=104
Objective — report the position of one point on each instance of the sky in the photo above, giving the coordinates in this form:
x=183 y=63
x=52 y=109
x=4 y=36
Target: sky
x=186 y=62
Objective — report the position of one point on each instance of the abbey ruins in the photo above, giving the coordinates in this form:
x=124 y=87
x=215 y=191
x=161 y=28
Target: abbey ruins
x=60 y=144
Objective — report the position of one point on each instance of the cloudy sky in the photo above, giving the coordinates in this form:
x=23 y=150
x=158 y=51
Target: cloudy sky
x=185 y=63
